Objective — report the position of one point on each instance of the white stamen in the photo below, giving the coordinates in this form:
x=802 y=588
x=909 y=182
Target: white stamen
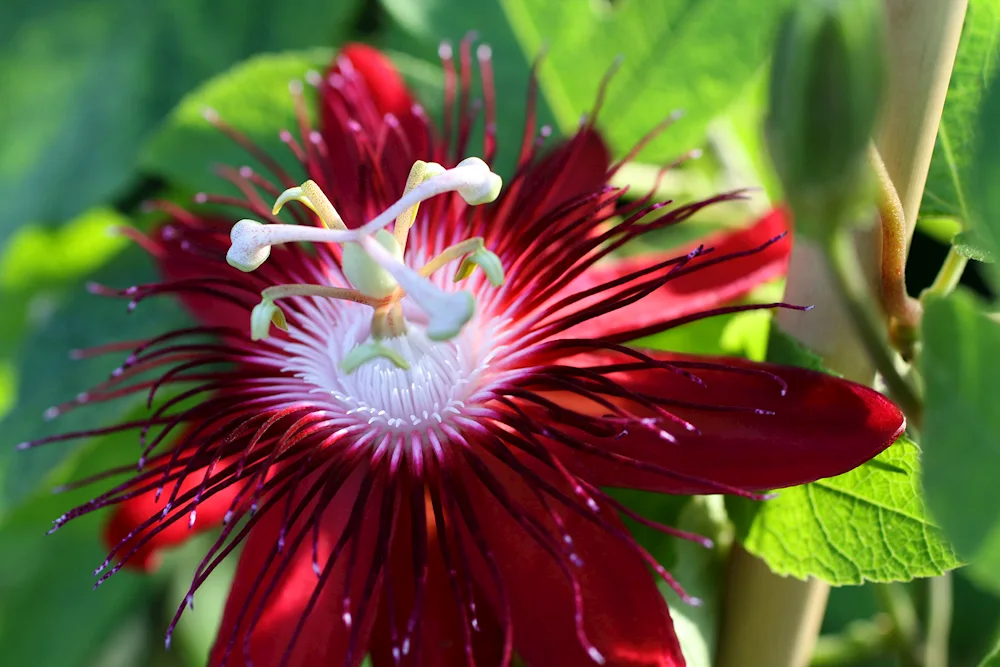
x=472 y=179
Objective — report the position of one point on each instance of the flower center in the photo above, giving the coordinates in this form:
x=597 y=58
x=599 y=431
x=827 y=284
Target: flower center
x=372 y=262
x=439 y=379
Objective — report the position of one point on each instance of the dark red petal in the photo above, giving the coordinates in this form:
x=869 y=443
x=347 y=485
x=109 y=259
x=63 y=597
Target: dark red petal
x=823 y=426
x=700 y=290
x=324 y=638
x=577 y=167
x=626 y=617
x=441 y=641
x=130 y=514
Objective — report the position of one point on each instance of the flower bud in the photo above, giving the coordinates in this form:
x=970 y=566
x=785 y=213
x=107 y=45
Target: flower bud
x=826 y=79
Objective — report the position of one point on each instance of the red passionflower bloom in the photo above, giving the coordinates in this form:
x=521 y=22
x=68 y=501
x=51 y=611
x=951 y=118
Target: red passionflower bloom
x=413 y=465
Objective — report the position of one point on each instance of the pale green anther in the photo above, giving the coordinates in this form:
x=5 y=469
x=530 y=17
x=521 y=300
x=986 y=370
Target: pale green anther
x=484 y=259
x=369 y=351
x=447 y=322
x=292 y=194
x=364 y=272
x=265 y=314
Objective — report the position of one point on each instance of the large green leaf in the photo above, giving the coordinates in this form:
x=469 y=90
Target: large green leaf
x=865 y=525
x=961 y=370
x=38 y=263
x=692 y=55
x=945 y=194
x=85 y=83
x=254 y=98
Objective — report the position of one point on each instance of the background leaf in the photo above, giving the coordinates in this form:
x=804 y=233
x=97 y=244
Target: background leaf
x=961 y=371
x=945 y=193
x=73 y=319
x=692 y=55
x=252 y=97
x=86 y=82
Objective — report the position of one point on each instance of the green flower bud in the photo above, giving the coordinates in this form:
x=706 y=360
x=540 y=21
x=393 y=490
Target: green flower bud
x=826 y=82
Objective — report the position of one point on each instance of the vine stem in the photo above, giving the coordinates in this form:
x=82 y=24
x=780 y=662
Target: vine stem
x=949 y=274
x=896 y=603
x=939 y=611
x=850 y=279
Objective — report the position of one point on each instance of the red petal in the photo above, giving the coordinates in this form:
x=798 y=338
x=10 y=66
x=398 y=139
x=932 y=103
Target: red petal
x=576 y=167
x=625 y=616
x=387 y=88
x=128 y=515
x=823 y=426
x=441 y=641
x=700 y=290
x=324 y=637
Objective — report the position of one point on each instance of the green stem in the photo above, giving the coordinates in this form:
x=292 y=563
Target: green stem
x=896 y=603
x=948 y=276
x=939 y=608
x=850 y=280
x=861 y=640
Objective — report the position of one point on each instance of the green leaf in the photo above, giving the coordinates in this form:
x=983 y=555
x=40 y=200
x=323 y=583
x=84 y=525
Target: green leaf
x=86 y=82
x=993 y=659
x=945 y=193
x=700 y=571
x=72 y=319
x=46 y=584
x=984 y=193
x=969 y=244
x=961 y=371
x=865 y=525
x=254 y=98
x=678 y=54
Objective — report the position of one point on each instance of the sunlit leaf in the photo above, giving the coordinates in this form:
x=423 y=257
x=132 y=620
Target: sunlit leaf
x=968 y=244
x=946 y=190
x=676 y=55
x=866 y=525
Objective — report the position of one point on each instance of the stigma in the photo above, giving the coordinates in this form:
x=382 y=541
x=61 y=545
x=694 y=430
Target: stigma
x=372 y=261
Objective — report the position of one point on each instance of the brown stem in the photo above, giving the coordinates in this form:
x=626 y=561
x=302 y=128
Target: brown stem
x=904 y=312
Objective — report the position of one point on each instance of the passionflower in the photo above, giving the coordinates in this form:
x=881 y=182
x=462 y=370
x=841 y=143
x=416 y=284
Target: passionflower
x=405 y=410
